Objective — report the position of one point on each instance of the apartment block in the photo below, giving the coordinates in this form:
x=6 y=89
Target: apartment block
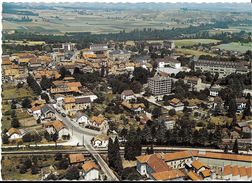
x=159 y=85
x=224 y=68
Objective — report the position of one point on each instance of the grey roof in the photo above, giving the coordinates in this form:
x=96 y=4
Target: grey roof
x=79 y=114
x=219 y=63
x=82 y=100
x=127 y=92
x=167 y=60
x=46 y=109
x=119 y=52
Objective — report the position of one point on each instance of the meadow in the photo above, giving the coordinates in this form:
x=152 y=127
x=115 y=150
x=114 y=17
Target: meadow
x=191 y=42
x=235 y=46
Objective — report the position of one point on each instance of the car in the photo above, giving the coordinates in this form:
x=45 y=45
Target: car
x=58 y=111
x=63 y=114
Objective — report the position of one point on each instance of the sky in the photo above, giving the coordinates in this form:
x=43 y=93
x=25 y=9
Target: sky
x=135 y=1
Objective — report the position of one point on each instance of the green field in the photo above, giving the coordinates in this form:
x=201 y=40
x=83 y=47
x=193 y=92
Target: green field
x=29 y=43
x=234 y=46
x=192 y=52
x=191 y=42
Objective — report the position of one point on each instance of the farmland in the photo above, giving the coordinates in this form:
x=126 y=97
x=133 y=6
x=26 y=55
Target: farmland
x=234 y=46
x=191 y=42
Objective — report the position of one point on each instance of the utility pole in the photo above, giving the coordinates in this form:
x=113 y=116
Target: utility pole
x=72 y=130
x=83 y=142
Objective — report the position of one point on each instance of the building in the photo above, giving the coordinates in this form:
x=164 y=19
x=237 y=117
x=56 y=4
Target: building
x=47 y=113
x=57 y=127
x=76 y=159
x=170 y=45
x=135 y=108
x=74 y=104
x=119 y=55
x=99 y=123
x=237 y=173
x=128 y=95
x=159 y=85
x=68 y=46
x=149 y=164
x=176 y=104
x=214 y=90
x=168 y=62
x=14 y=133
x=193 y=82
x=170 y=175
x=81 y=118
x=100 y=140
x=223 y=68
x=90 y=171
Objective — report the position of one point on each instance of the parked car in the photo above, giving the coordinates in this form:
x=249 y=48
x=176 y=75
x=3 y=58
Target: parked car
x=63 y=114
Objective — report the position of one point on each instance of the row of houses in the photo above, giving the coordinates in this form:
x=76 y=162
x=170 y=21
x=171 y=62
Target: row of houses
x=192 y=165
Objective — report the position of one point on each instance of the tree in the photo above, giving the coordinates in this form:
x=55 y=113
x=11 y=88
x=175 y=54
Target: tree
x=161 y=133
x=15 y=123
x=72 y=173
x=247 y=110
x=5 y=138
x=140 y=74
x=156 y=112
x=111 y=153
x=133 y=146
x=26 y=103
x=232 y=107
x=172 y=112
x=55 y=137
x=226 y=149
x=27 y=137
x=23 y=169
x=130 y=173
x=45 y=97
x=58 y=156
x=34 y=169
x=235 y=147
x=136 y=86
x=45 y=83
x=118 y=161
x=63 y=164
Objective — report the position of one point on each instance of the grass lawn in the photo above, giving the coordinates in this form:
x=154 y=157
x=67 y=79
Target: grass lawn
x=235 y=46
x=192 y=52
x=15 y=93
x=29 y=43
x=10 y=171
x=191 y=42
x=220 y=120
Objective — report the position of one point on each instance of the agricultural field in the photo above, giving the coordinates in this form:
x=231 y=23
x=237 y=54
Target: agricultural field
x=29 y=43
x=191 y=42
x=192 y=52
x=235 y=46
x=12 y=92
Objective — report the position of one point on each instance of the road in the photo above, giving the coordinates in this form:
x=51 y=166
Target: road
x=83 y=137
x=105 y=168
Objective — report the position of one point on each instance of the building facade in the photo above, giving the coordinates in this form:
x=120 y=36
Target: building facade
x=159 y=85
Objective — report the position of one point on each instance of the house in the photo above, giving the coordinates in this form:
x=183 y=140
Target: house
x=198 y=166
x=90 y=171
x=47 y=113
x=194 y=176
x=119 y=55
x=241 y=103
x=100 y=140
x=14 y=133
x=170 y=175
x=128 y=95
x=57 y=127
x=193 y=82
x=81 y=118
x=214 y=90
x=206 y=174
x=76 y=158
x=136 y=108
x=176 y=104
x=35 y=111
x=74 y=104
x=168 y=62
x=149 y=164
x=98 y=122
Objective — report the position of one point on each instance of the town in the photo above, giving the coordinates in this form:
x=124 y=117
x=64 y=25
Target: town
x=126 y=110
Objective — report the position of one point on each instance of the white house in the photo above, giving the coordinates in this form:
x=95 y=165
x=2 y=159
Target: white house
x=128 y=95
x=214 y=90
x=35 y=111
x=99 y=122
x=90 y=171
x=57 y=126
x=81 y=118
x=14 y=133
x=168 y=62
x=100 y=140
